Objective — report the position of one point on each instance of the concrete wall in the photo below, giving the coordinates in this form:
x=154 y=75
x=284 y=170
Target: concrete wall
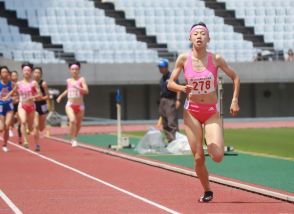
x=146 y=73
x=275 y=99
x=140 y=101
x=266 y=88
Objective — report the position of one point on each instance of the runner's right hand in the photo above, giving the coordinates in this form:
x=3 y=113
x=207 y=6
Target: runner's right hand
x=187 y=89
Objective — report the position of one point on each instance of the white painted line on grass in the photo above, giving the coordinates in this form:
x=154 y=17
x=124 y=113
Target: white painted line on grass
x=9 y=203
x=265 y=155
x=97 y=179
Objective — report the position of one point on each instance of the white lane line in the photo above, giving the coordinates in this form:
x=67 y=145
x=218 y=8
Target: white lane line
x=222 y=181
x=10 y=203
x=98 y=180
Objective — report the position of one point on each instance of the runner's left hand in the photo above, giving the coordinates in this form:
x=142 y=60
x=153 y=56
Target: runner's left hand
x=234 y=109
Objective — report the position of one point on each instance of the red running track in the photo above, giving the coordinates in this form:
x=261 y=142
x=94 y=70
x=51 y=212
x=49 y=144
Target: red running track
x=36 y=185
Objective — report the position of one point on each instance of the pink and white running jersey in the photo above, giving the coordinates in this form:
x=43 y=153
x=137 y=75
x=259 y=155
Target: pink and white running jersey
x=204 y=81
x=26 y=90
x=72 y=91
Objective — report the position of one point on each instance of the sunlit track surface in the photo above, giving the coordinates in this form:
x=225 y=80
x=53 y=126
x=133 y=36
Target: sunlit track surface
x=37 y=185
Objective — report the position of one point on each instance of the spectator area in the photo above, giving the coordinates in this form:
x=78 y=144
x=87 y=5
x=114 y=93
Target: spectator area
x=93 y=37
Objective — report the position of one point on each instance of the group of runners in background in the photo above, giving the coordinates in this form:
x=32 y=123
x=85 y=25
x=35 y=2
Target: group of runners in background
x=25 y=102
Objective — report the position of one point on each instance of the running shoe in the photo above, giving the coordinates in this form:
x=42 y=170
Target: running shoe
x=207 y=197
x=26 y=144
x=5 y=149
x=74 y=143
x=38 y=148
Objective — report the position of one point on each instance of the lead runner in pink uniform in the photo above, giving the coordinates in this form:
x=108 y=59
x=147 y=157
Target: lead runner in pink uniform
x=75 y=108
x=200 y=110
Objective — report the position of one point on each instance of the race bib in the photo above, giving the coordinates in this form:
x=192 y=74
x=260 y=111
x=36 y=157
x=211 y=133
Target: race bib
x=25 y=95
x=44 y=108
x=202 y=85
x=74 y=93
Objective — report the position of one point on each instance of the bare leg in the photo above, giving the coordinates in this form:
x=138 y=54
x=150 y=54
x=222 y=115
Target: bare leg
x=79 y=117
x=30 y=125
x=19 y=132
x=72 y=122
x=18 y=127
x=42 y=122
x=8 y=121
x=36 y=128
x=23 y=121
x=16 y=120
x=214 y=138
x=193 y=130
x=2 y=126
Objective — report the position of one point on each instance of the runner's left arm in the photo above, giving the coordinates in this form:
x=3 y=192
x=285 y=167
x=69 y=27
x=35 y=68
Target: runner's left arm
x=84 y=89
x=38 y=94
x=234 y=109
x=14 y=89
x=45 y=86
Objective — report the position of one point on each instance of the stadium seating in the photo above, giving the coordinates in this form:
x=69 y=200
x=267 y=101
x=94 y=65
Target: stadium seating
x=17 y=46
x=83 y=29
x=272 y=18
x=93 y=37
x=170 y=21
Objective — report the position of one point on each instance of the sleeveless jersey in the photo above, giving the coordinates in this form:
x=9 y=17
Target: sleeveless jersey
x=4 y=90
x=73 y=92
x=26 y=90
x=204 y=81
x=41 y=102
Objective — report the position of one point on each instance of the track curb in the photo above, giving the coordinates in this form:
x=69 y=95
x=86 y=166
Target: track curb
x=233 y=184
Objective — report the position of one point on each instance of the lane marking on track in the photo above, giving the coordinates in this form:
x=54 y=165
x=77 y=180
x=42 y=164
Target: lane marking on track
x=178 y=169
x=265 y=155
x=97 y=179
x=10 y=203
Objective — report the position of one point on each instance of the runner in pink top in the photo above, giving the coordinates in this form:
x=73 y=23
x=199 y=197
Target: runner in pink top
x=75 y=108
x=28 y=90
x=203 y=82
x=200 y=111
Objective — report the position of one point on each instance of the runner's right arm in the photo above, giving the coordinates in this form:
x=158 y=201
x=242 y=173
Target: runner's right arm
x=172 y=85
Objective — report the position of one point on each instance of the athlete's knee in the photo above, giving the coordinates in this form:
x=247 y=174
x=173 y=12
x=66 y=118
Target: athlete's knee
x=199 y=159
x=30 y=128
x=37 y=127
x=72 y=121
x=217 y=157
x=42 y=128
x=6 y=127
x=216 y=152
x=3 y=127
